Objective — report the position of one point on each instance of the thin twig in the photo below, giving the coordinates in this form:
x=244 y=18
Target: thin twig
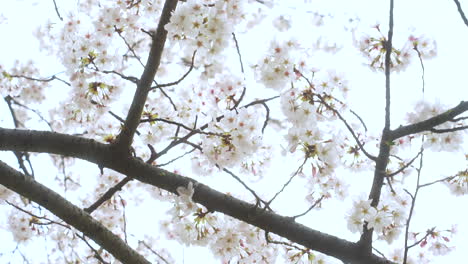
x=428 y=232
x=459 y=119
x=181 y=78
x=96 y=253
x=267 y=116
x=350 y=129
x=11 y=99
x=238 y=51
x=53 y=77
x=168 y=97
x=205 y=126
x=404 y=166
x=124 y=217
x=128 y=78
x=317 y=202
x=440 y=131
x=337 y=113
x=257 y=198
x=260 y=101
x=460 y=10
x=122 y=121
x=153 y=155
x=37 y=216
x=57 y=11
x=269 y=241
x=176 y=158
x=422 y=67
x=107 y=195
x=154 y=252
x=242 y=70
x=360 y=119
x=289 y=181
x=413 y=200
x=436 y=181
x=130 y=48
x=19 y=154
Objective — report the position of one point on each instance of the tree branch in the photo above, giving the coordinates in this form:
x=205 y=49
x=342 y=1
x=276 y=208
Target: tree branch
x=71 y=214
x=384 y=151
x=107 y=195
x=388 y=63
x=413 y=202
x=181 y=78
x=460 y=10
x=105 y=156
x=124 y=139
x=429 y=124
x=57 y=11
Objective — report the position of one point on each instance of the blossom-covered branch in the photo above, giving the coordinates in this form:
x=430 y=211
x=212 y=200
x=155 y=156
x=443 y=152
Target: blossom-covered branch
x=384 y=150
x=132 y=121
x=429 y=124
x=103 y=155
x=78 y=218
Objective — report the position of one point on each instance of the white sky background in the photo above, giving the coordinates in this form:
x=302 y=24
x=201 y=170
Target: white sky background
x=445 y=79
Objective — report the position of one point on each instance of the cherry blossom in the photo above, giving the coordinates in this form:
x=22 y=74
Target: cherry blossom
x=211 y=110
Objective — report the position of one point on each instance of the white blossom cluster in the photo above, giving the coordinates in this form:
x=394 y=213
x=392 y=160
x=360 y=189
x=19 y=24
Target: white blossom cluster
x=204 y=26
x=238 y=136
x=110 y=213
x=374 y=49
x=305 y=256
x=229 y=239
x=425 y=47
x=277 y=67
x=387 y=219
x=209 y=99
x=308 y=115
x=234 y=139
x=458 y=184
x=20 y=226
x=233 y=135
x=433 y=243
x=148 y=249
x=66 y=245
x=4 y=194
x=450 y=142
x=92 y=40
x=24 y=89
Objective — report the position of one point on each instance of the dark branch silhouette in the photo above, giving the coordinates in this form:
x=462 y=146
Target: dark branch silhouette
x=105 y=156
x=124 y=139
x=71 y=214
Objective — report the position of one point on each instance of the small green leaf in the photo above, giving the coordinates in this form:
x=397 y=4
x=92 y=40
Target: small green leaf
x=7 y=75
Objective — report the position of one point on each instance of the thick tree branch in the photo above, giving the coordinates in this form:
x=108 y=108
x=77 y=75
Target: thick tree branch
x=429 y=124
x=103 y=155
x=384 y=152
x=124 y=140
x=71 y=214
